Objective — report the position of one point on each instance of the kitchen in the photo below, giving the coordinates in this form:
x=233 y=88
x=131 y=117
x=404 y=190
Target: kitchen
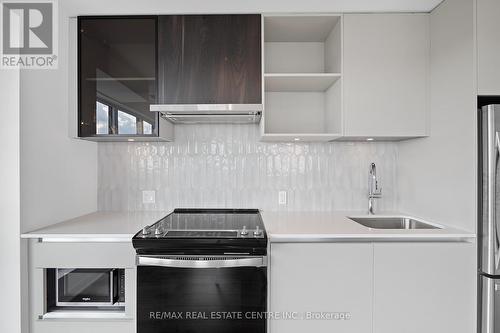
x=281 y=166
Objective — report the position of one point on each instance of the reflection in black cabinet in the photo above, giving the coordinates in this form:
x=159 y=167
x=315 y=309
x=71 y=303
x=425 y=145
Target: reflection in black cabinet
x=117 y=76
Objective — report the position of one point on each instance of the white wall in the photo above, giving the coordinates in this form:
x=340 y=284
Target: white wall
x=58 y=174
x=10 y=247
x=437 y=175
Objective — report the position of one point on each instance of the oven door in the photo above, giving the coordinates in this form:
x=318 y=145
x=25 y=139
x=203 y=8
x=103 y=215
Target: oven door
x=84 y=287
x=201 y=295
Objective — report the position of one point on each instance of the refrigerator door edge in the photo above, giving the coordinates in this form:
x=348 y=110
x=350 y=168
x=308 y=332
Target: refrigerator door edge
x=487 y=294
x=489 y=158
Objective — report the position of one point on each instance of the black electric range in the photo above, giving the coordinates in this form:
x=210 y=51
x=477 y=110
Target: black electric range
x=204 y=231
x=208 y=262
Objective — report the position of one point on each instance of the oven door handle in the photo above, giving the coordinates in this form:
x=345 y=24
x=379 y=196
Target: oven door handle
x=217 y=262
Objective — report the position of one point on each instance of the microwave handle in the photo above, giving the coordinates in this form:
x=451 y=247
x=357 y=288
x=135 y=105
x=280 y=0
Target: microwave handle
x=215 y=262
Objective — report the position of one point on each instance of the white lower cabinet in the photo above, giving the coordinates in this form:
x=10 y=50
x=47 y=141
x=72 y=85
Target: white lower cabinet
x=424 y=287
x=384 y=287
x=314 y=287
x=47 y=255
x=321 y=278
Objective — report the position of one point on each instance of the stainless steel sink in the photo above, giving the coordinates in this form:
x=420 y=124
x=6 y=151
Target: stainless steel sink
x=392 y=223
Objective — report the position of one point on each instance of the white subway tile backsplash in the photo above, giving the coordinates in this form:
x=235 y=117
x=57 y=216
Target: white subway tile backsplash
x=227 y=166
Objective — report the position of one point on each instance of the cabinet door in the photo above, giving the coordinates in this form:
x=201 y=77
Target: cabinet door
x=322 y=279
x=117 y=76
x=386 y=75
x=488 y=47
x=424 y=287
x=210 y=59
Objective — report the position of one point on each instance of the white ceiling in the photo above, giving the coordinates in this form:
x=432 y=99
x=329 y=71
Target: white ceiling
x=100 y=7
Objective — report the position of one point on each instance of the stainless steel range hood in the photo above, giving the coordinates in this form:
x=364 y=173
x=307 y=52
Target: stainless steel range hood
x=209 y=113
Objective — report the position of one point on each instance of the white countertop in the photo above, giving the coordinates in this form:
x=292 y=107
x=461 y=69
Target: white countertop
x=280 y=227
x=336 y=226
x=105 y=225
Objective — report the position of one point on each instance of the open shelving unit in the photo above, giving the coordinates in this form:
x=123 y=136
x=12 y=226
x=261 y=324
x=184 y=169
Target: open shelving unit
x=302 y=78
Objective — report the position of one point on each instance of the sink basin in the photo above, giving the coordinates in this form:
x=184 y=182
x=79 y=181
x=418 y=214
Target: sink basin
x=392 y=223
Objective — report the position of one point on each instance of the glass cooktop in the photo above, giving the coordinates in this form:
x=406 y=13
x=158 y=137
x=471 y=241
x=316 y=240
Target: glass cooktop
x=207 y=223
x=204 y=231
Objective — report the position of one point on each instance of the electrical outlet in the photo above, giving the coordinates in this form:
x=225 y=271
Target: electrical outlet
x=148 y=197
x=282 y=197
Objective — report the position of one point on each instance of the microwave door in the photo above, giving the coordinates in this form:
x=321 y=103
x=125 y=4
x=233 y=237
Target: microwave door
x=84 y=287
x=490 y=189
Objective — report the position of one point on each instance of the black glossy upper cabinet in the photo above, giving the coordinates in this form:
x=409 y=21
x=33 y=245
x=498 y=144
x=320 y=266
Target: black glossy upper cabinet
x=117 y=79
x=209 y=59
x=127 y=65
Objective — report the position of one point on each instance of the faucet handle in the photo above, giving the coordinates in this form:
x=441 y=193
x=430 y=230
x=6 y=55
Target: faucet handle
x=377 y=192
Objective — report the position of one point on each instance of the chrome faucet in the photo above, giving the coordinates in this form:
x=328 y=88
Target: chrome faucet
x=373 y=190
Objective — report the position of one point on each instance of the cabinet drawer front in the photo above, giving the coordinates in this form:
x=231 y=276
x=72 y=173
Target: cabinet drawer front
x=82 y=255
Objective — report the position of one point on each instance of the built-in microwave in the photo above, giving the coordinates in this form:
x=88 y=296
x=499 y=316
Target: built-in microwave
x=87 y=287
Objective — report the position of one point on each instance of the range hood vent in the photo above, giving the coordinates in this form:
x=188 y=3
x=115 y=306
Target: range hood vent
x=209 y=113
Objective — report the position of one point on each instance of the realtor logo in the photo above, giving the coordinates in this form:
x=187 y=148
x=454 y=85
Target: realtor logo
x=29 y=38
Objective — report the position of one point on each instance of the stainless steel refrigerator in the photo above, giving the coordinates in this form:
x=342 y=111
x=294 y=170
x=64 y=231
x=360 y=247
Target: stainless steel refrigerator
x=489 y=219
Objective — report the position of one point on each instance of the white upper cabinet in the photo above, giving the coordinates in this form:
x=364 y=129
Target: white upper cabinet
x=386 y=75
x=488 y=47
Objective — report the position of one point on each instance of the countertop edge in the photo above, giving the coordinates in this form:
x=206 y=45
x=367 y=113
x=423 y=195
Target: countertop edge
x=311 y=238
x=80 y=237
x=281 y=238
